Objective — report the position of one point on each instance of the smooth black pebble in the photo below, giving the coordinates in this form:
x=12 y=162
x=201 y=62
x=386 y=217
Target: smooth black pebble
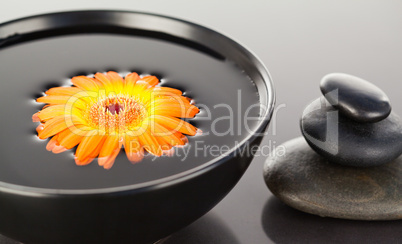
x=308 y=182
x=344 y=141
x=356 y=98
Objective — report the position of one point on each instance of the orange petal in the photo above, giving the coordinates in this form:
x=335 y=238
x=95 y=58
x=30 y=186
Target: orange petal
x=109 y=151
x=39 y=128
x=85 y=83
x=70 y=139
x=63 y=91
x=117 y=81
x=52 y=143
x=58 y=124
x=130 y=81
x=56 y=147
x=150 y=143
x=166 y=91
x=53 y=99
x=179 y=103
x=51 y=112
x=174 y=99
x=92 y=156
x=35 y=117
x=133 y=148
x=59 y=149
x=83 y=162
x=131 y=78
x=182 y=137
x=175 y=124
x=102 y=78
x=79 y=103
x=136 y=157
x=176 y=110
x=150 y=79
x=88 y=148
x=162 y=143
x=52 y=127
x=168 y=136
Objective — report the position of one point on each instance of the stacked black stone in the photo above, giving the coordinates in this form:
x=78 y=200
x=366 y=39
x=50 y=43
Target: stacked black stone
x=356 y=126
x=355 y=169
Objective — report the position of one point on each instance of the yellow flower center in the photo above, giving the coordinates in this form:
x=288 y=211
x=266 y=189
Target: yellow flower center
x=116 y=114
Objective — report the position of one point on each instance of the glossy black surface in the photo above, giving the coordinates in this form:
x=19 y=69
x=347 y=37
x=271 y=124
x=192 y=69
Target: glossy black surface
x=356 y=98
x=155 y=208
x=284 y=224
x=347 y=142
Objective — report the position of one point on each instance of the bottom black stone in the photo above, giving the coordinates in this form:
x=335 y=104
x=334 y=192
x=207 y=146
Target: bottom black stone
x=306 y=181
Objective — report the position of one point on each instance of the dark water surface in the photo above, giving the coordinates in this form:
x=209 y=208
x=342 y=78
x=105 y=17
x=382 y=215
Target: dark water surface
x=28 y=69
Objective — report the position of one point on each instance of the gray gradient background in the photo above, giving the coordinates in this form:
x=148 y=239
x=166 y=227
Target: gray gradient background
x=299 y=41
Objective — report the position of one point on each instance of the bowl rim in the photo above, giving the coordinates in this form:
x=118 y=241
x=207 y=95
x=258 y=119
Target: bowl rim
x=21 y=27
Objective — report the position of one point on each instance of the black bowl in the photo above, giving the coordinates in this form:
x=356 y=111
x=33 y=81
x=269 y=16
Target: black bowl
x=138 y=213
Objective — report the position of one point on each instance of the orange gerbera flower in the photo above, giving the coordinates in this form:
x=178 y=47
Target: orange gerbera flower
x=104 y=113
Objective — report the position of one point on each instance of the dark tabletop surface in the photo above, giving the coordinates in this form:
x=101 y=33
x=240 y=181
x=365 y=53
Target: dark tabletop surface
x=300 y=42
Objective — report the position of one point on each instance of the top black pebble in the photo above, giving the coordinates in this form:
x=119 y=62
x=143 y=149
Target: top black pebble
x=355 y=98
